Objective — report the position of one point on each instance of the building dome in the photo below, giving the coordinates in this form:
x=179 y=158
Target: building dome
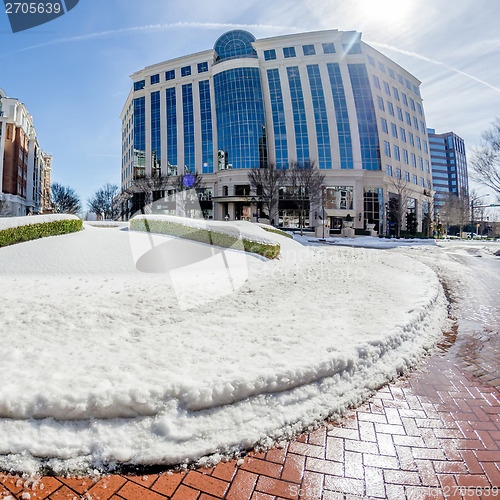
x=234 y=44
x=2 y=93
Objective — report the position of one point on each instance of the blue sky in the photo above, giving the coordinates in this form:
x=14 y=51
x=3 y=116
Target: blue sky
x=73 y=73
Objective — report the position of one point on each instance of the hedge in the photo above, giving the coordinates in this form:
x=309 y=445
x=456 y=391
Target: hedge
x=204 y=236
x=34 y=231
x=277 y=231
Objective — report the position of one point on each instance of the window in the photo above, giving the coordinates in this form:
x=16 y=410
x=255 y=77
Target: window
x=422 y=127
x=396 y=153
x=380 y=103
x=420 y=163
x=400 y=79
x=419 y=143
x=405 y=156
x=370 y=58
x=186 y=71
x=408 y=84
x=405 y=99
x=390 y=107
x=426 y=149
x=354 y=48
x=415 y=90
x=308 y=50
x=398 y=173
x=414 y=179
x=384 y=125
x=400 y=113
x=154 y=79
x=387 y=88
x=170 y=75
x=338 y=197
x=402 y=133
x=387 y=149
x=407 y=176
x=388 y=170
x=408 y=118
x=391 y=73
x=329 y=48
x=412 y=104
x=429 y=186
x=413 y=160
x=269 y=55
x=411 y=139
x=394 y=130
x=427 y=166
x=139 y=85
x=289 y=51
x=202 y=67
x=381 y=67
x=419 y=109
x=376 y=82
x=395 y=93
x=415 y=123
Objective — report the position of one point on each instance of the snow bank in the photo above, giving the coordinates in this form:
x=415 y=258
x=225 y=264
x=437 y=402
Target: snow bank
x=10 y=222
x=119 y=373
x=236 y=229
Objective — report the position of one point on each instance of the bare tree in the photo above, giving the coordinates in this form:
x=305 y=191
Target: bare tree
x=398 y=203
x=454 y=210
x=147 y=189
x=103 y=202
x=266 y=182
x=306 y=186
x=64 y=199
x=486 y=159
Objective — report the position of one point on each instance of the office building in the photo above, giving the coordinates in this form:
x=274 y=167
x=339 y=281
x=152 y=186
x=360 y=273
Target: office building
x=325 y=97
x=449 y=165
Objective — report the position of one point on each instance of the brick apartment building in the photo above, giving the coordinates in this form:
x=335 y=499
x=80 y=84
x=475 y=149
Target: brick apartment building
x=25 y=169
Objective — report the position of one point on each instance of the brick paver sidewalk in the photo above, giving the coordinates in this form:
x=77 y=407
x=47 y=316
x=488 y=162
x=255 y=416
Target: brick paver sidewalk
x=432 y=434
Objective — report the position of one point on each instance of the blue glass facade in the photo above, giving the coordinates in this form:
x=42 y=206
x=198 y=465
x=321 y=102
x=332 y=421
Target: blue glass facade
x=188 y=117
x=367 y=121
x=241 y=132
x=234 y=45
x=171 y=122
x=343 y=127
x=320 y=117
x=279 y=124
x=299 y=114
x=155 y=131
x=140 y=123
x=207 y=143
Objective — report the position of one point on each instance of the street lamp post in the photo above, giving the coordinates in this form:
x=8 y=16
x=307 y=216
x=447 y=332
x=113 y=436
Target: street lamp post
x=472 y=215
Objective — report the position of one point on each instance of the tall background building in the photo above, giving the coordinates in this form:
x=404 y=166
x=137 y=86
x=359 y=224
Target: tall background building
x=25 y=169
x=325 y=97
x=449 y=165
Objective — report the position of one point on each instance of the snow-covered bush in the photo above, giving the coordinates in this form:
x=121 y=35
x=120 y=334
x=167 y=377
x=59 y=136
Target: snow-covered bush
x=209 y=236
x=34 y=227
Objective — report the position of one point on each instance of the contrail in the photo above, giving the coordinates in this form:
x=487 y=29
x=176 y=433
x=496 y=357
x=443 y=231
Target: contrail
x=433 y=61
x=154 y=27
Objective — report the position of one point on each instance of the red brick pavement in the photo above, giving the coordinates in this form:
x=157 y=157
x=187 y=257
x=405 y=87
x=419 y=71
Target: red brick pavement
x=432 y=434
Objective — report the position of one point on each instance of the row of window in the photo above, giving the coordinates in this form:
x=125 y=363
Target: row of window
x=406 y=157
x=409 y=119
x=393 y=75
x=310 y=50
x=407 y=101
x=414 y=179
x=404 y=135
x=170 y=75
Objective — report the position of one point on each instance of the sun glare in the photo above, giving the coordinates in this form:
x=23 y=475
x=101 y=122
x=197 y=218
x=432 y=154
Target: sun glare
x=390 y=13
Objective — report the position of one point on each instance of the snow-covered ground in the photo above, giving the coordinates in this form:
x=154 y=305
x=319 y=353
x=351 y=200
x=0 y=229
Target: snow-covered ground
x=107 y=359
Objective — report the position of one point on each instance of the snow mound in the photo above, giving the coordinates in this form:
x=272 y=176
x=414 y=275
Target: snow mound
x=117 y=372
x=10 y=222
x=237 y=229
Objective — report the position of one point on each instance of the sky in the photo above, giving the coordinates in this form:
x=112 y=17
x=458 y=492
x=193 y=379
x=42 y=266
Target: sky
x=73 y=73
